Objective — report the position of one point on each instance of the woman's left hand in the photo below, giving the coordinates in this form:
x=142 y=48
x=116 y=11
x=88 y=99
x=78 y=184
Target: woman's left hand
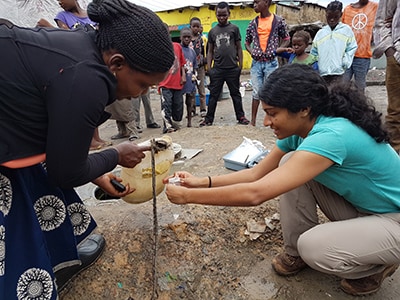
x=176 y=194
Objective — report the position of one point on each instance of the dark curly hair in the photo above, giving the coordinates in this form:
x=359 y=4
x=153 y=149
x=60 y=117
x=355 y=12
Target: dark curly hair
x=134 y=31
x=297 y=86
x=335 y=6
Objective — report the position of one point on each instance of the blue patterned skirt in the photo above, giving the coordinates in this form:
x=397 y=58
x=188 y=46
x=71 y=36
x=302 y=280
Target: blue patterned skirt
x=40 y=228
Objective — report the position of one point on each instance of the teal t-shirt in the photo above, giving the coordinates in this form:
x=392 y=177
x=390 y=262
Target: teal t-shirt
x=365 y=173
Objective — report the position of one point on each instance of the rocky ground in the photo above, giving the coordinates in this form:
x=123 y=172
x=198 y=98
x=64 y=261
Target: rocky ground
x=203 y=252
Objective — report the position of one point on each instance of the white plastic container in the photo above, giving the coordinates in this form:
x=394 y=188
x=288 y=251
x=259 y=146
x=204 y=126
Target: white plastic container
x=140 y=177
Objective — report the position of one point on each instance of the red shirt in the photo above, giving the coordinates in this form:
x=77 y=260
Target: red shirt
x=173 y=79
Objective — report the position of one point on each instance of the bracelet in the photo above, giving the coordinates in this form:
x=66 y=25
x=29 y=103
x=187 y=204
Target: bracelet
x=209 y=181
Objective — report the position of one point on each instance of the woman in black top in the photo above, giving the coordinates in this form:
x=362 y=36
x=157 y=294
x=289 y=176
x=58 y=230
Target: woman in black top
x=52 y=97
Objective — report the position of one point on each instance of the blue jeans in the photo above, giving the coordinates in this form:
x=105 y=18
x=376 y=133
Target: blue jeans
x=359 y=68
x=259 y=72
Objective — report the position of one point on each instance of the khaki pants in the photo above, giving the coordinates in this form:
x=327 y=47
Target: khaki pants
x=353 y=245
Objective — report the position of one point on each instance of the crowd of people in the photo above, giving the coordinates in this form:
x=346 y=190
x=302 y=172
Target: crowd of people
x=57 y=86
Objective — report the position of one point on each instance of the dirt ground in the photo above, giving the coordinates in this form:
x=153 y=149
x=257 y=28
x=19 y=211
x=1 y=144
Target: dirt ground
x=203 y=252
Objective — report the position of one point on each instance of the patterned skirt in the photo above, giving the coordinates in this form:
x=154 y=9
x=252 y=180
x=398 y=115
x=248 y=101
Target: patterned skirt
x=40 y=228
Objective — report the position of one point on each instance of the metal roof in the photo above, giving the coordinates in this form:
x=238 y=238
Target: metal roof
x=162 y=5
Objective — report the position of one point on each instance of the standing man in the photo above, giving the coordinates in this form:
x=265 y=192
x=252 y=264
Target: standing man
x=387 y=40
x=360 y=16
x=262 y=39
x=225 y=50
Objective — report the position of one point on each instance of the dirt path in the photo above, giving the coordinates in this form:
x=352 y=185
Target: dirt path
x=204 y=253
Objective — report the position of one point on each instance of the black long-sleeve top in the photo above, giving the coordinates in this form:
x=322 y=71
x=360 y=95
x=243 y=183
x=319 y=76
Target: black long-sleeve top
x=54 y=87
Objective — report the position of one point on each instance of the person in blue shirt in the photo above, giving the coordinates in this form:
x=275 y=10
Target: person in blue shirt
x=332 y=152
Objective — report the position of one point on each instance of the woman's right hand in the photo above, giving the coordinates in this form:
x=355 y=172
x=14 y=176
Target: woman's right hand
x=130 y=154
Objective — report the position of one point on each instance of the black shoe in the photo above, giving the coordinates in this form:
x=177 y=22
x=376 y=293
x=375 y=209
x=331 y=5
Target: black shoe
x=89 y=251
x=169 y=130
x=120 y=136
x=153 y=125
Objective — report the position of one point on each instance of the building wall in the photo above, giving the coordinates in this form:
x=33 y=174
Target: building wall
x=307 y=13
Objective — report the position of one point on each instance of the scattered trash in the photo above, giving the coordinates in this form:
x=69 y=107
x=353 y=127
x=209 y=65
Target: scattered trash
x=119 y=284
x=255 y=229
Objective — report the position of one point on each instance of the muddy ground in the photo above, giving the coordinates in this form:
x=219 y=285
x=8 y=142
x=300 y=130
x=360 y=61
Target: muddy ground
x=203 y=252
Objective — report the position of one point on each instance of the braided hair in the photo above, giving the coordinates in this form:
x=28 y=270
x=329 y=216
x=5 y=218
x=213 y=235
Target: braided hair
x=297 y=86
x=134 y=31
x=335 y=6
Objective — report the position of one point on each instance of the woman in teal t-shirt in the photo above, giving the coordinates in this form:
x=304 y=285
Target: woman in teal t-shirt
x=332 y=152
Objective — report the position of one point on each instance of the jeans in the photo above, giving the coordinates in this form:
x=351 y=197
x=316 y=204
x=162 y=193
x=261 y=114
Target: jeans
x=359 y=69
x=259 y=72
x=217 y=79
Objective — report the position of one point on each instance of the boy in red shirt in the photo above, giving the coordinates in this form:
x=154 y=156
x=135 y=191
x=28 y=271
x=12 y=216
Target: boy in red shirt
x=171 y=93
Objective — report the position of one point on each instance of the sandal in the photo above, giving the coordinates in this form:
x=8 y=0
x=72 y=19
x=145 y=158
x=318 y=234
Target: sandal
x=243 y=121
x=205 y=123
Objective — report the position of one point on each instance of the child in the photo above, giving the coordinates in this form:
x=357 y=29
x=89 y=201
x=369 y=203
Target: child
x=334 y=45
x=171 y=93
x=296 y=54
x=72 y=17
x=262 y=39
x=189 y=89
x=198 y=44
x=225 y=55
x=361 y=17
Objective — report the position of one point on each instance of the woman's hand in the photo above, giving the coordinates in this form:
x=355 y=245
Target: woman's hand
x=104 y=182
x=189 y=180
x=130 y=154
x=176 y=194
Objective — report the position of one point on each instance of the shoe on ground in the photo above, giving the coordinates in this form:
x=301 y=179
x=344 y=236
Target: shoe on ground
x=139 y=129
x=243 y=121
x=367 y=285
x=203 y=113
x=133 y=137
x=153 y=125
x=169 y=130
x=205 y=123
x=120 y=136
x=287 y=265
x=89 y=252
